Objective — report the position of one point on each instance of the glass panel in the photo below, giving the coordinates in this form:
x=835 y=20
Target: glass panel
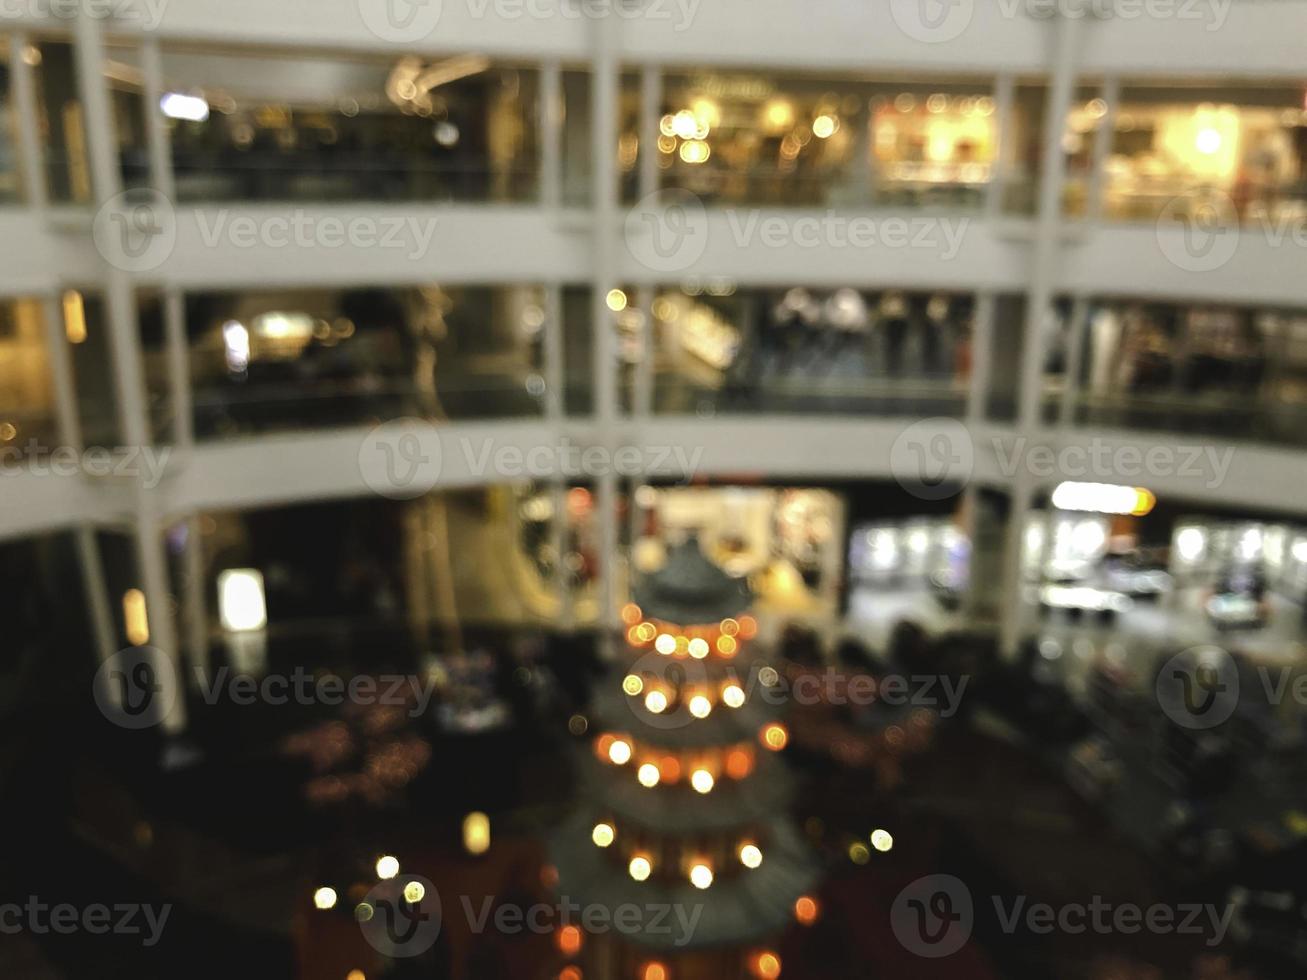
x=63 y=138
x=86 y=325
x=1005 y=359
x=255 y=127
x=1232 y=371
x=810 y=350
x=1245 y=144
x=10 y=186
x=1086 y=117
x=304 y=359
x=578 y=356
x=1023 y=153
x=27 y=410
x=122 y=73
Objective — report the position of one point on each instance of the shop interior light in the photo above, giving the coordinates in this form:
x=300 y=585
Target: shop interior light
x=191 y=108
x=1103 y=498
x=241 y=603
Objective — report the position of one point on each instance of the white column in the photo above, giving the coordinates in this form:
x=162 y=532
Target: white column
x=1048 y=222
x=69 y=423
x=982 y=352
x=179 y=367
x=603 y=113
x=96 y=591
x=552 y=353
x=1012 y=613
x=1005 y=89
x=194 y=605
x=551 y=134
x=1103 y=137
x=156 y=133
x=152 y=566
x=651 y=104
x=1076 y=331
x=29 y=129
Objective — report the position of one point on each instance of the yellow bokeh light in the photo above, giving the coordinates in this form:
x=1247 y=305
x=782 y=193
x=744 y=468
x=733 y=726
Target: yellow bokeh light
x=882 y=840
x=324 y=898
x=603 y=834
x=665 y=644
x=701 y=876
x=701 y=780
x=387 y=867
x=649 y=775
x=698 y=648
x=655 y=702
x=616 y=300
x=414 y=892
x=733 y=696
x=640 y=868
x=620 y=752
x=700 y=706
x=750 y=855
x=632 y=684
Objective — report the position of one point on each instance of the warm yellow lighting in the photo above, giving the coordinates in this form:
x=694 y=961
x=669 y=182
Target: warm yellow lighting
x=730 y=627
x=620 y=752
x=632 y=684
x=726 y=645
x=701 y=876
x=241 y=603
x=806 y=910
x=701 y=780
x=74 y=317
x=733 y=696
x=882 y=840
x=825 y=126
x=768 y=677
x=136 y=619
x=655 y=702
x=665 y=644
x=648 y=775
x=750 y=855
x=356 y=975
x=646 y=632
x=414 y=892
x=640 y=868
x=698 y=648
x=476 y=833
x=685 y=125
x=1208 y=141
x=603 y=834
x=667 y=125
x=700 y=706
x=1103 y=498
x=695 y=151
x=387 y=867
x=775 y=737
x=654 y=971
x=631 y=614
x=324 y=898
x=616 y=300
x=767 y=966
x=778 y=115
x=858 y=853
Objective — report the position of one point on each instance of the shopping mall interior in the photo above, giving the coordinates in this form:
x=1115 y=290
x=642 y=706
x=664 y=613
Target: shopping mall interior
x=866 y=540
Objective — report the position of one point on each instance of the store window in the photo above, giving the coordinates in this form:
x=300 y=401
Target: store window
x=27 y=399
x=1233 y=371
x=63 y=134
x=1242 y=148
x=935 y=145
x=760 y=139
x=576 y=136
x=256 y=127
x=306 y=359
x=10 y=188
x=717 y=348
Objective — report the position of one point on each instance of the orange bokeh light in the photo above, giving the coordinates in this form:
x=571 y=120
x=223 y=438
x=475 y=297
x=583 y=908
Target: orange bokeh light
x=653 y=971
x=767 y=966
x=739 y=763
x=669 y=768
x=569 y=940
x=569 y=973
x=806 y=910
x=775 y=736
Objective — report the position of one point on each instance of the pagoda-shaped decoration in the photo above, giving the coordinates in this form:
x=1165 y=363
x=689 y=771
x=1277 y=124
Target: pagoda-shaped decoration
x=684 y=797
